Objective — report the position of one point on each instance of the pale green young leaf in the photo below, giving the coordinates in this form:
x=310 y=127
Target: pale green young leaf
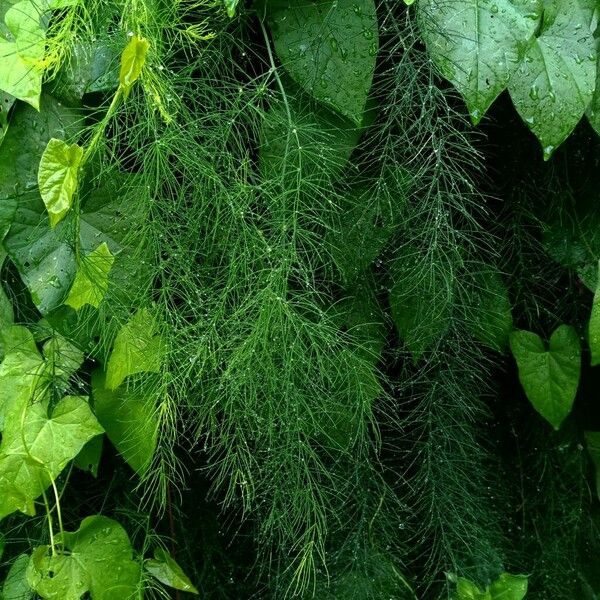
x=6 y=103
x=138 y=348
x=509 y=587
x=478 y=44
x=549 y=376
x=22 y=51
x=467 y=590
x=91 y=280
x=554 y=83
x=594 y=326
x=130 y=420
x=231 y=6
x=329 y=47
x=15 y=585
x=132 y=62
x=58 y=177
x=592 y=441
x=164 y=568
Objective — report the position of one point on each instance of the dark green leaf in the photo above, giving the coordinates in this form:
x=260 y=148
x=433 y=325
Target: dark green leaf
x=555 y=81
x=15 y=585
x=549 y=376
x=329 y=47
x=478 y=44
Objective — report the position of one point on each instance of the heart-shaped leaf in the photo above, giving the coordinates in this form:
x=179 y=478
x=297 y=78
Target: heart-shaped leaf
x=555 y=81
x=58 y=177
x=478 y=44
x=329 y=47
x=549 y=376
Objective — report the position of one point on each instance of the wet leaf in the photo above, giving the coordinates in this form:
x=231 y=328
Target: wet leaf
x=549 y=376
x=22 y=47
x=99 y=560
x=164 y=568
x=58 y=177
x=138 y=348
x=91 y=279
x=15 y=585
x=329 y=47
x=555 y=81
x=130 y=420
x=132 y=62
x=478 y=44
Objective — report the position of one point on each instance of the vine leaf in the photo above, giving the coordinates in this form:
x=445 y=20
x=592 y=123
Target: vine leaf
x=22 y=46
x=592 y=440
x=130 y=421
x=164 y=568
x=36 y=448
x=137 y=349
x=478 y=44
x=91 y=280
x=594 y=325
x=58 y=177
x=555 y=81
x=550 y=377
x=99 y=560
x=15 y=585
x=329 y=47
x=132 y=62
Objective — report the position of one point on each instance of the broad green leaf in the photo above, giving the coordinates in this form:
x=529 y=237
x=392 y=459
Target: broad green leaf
x=56 y=577
x=509 y=587
x=36 y=448
x=91 y=279
x=549 y=376
x=15 y=585
x=594 y=326
x=130 y=420
x=164 y=568
x=111 y=213
x=132 y=62
x=20 y=371
x=138 y=348
x=593 y=110
x=488 y=311
x=478 y=44
x=231 y=6
x=467 y=590
x=90 y=67
x=58 y=177
x=6 y=103
x=329 y=47
x=592 y=441
x=99 y=560
x=555 y=81
x=7 y=316
x=89 y=456
x=63 y=359
x=22 y=47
